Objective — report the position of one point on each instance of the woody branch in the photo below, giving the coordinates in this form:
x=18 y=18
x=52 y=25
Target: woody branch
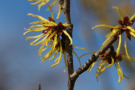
x=66 y=9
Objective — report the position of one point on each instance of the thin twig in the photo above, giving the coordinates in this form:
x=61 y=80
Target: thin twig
x=72 y=76
x=92 y=59
x=66 y=9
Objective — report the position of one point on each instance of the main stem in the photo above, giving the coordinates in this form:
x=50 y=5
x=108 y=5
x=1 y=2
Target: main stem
x=66 y=10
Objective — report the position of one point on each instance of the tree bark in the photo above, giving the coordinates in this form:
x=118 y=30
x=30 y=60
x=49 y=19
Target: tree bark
x=66 y=9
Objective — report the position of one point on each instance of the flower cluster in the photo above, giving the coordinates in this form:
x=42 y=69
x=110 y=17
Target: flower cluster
x=108 y=59
x=50 y=38
x=45 y=2
x=125 y=26
x=51 y=33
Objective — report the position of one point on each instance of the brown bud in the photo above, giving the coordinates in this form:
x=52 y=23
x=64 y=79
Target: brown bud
x=126 y=18
x=120 y=22
x=51 y=19
x=60 y=24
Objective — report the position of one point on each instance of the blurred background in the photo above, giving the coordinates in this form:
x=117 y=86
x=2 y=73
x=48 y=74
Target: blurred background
x=20 y=66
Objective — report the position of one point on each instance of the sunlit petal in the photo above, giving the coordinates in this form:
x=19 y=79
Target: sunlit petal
x=37 y=16
x=108 y=66
x=86 y=54
x=132 y=18
x=119 y=46
x=111 y=34
x=120 y=14
x=68 y=37
x=128 y=56
x=131 y=29
x=133 y=34
x=103 y=25
x=55 y=54
x=105 y=43
x=77 y=57
x=59 y=58
x=81 y=48
x=59 y=13
x=119 y=80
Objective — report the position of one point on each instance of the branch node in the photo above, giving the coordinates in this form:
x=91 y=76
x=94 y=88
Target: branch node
x=61 y=2
x=69 y=26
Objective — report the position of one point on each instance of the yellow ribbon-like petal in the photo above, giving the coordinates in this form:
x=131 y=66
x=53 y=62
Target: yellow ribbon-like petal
x=35 y=2
x=48 y=55
x=120 y=14
x=45 y=41
x=121 y=73
x=36 y=26
x=32 y=43
x=125 y=77
x=55 y=41
x=125 y=45
x=51 y=51
x=33 y=37
x=119 y=46
x=80 y=48
x=128 y=56
x=91 y=66
x=119 y=70
x=49 y=24
x=105 y=43
x=35 y=22
x=111 y=63
x=39 y=17
x=40 y=5
x=133 y=17
x=32 y=0
x=86 y=54
x=103 y=25
x=77 y=57
x=68 y=37
x=59 y=58
x=49 y=8
x=65 y=25
x=55 y=54
x=131 y=29
x=111 y=34
x=101 y=65
x=133 y=34
x=89 y=69
x=41 y=48
x=54 y=1
x=59 y=13
x=46 y=47
x=26 y=32
x=37 y=29
x=119 y=80
x=117 y=27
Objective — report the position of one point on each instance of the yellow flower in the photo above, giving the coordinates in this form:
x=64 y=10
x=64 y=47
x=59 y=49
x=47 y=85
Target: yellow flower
x=108 y=59
x=125 y=26
x=49 y=27
x=50 y=38
x=45 y=2
x=51 y=33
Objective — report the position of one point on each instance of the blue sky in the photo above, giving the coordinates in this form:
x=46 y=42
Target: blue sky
x=21 y=67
